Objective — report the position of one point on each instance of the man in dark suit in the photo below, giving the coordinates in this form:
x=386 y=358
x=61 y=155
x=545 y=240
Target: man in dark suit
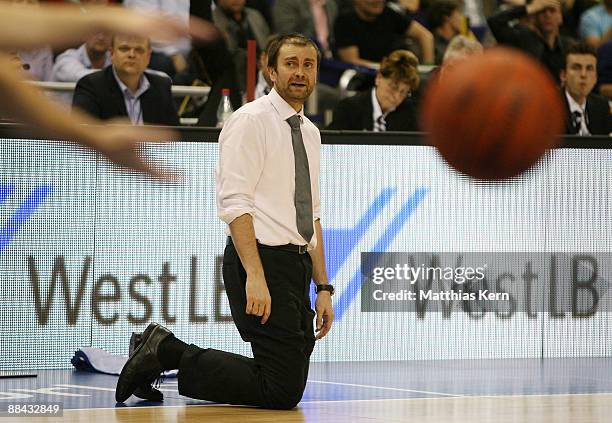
x=586 y=113
x=124 y=89
x=387 y=107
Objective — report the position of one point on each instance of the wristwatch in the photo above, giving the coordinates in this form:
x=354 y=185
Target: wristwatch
x=326 y=287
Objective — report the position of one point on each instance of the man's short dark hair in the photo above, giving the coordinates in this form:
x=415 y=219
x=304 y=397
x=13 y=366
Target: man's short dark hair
x=293 y=39
x=579 y=48
x=439 y=10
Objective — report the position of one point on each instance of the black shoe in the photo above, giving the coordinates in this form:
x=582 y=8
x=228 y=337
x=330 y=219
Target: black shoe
x=145 y=391
x=142 y=367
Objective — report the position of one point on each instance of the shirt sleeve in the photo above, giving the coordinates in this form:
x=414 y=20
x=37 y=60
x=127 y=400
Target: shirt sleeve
x=401 y=22
x=68 y=67
x=316 y=198
x=345 y=32
x=241 y=162
x=504 y=33
x=589 y=25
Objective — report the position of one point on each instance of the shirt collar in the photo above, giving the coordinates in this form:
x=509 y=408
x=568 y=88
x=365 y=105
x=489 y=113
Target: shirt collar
x=143 y=85
x=283 y=108
x=377 y=110
x=573 y=104
x=376 y=106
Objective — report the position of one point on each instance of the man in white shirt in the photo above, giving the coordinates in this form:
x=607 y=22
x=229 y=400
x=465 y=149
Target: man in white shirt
x=75 y=63
x=268 y=194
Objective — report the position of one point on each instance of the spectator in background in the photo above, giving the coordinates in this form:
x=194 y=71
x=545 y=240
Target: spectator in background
x=124 y=89
x=38 y=62
x=388 y=106
x=604 y=70
x=587 y=113
x=539 y=36
x=73 y=64
x=263 y=7
x=596 y=24
x=170 y=58
x=446 y=21
x=264 y=81
x=239 y=24
x=315 y=20
x=373 y=30
x=460 y=48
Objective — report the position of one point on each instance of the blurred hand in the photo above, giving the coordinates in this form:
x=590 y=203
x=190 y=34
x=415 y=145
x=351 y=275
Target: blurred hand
x=118 y=19
x=122 y=144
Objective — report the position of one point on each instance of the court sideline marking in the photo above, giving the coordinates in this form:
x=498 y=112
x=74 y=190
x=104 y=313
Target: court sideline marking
x=384 y=388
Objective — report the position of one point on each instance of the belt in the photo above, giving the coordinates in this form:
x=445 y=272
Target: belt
x=291 y=248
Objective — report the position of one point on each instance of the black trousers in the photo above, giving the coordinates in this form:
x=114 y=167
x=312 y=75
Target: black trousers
x=276 y=376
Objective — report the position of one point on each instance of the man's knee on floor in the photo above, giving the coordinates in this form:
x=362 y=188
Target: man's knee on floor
x=285 y=398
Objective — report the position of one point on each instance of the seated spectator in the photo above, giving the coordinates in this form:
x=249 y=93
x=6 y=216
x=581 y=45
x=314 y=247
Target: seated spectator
x=170 y=58
x=124 y=89
x=373 y=30
x=572 y=12
x=587 y=113
x=460 y=48
x=446 y=21
x=38 y=62
x=264 y=8
x=604 y=70
x=239 y=24
x=539 y=36
x=264 y=82
x=595 y=25
x=315 y=21
x=73 y=64
x=388 y=106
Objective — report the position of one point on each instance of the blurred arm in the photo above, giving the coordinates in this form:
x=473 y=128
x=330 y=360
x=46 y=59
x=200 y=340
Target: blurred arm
x=60 y=25
x=121 y=145
x=351 y=55
x=425 y=40
x=69 y=68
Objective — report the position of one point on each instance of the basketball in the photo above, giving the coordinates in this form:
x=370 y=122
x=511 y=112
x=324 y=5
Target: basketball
x=493 y=116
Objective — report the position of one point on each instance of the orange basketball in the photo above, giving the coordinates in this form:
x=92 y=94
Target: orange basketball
x=493 y=116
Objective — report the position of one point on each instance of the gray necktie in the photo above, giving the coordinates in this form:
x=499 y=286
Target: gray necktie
x=303 y=196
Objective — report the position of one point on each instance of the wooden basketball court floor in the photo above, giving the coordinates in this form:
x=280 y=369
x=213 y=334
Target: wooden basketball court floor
x=473 y=391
